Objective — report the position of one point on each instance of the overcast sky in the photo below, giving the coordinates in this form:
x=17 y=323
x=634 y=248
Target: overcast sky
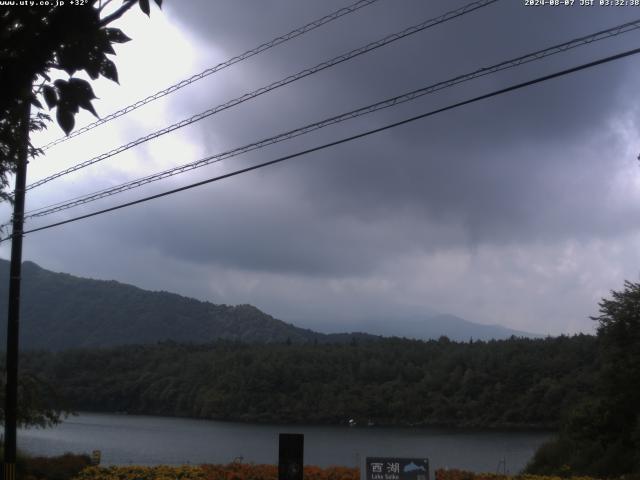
x=521 y=210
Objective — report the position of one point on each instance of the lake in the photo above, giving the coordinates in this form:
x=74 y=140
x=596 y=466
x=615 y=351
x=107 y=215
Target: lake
x=148 y=440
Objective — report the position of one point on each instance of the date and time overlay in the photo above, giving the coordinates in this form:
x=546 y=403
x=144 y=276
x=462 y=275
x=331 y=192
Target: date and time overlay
x=581 y=3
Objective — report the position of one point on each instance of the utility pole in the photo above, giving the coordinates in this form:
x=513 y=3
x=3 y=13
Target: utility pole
x=13 y=320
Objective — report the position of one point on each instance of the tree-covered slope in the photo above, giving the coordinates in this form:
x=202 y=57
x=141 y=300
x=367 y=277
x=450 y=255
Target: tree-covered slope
x=60 y=311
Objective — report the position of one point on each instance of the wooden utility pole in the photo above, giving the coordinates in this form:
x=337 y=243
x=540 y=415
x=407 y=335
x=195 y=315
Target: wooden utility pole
x=13 y=321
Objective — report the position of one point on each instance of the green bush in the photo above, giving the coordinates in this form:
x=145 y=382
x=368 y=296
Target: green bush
x=63 y=467
x=551 y=459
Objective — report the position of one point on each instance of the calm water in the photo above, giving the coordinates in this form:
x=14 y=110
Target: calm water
x=146 y=440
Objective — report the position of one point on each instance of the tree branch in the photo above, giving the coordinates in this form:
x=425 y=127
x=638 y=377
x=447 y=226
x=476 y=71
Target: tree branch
x=118 y=13
x=103 y=5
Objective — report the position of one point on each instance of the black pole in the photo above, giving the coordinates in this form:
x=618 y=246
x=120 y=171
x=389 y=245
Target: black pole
x=291 y=456
x=13 y=321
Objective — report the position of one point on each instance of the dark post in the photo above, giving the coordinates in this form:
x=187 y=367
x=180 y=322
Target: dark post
x=291 y=456
x=13 y=320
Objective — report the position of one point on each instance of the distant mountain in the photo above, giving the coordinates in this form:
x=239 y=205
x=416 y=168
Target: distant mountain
x=60 y=311
x=423 y=327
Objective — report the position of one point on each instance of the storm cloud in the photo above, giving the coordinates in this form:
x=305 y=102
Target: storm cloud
x=520 y=210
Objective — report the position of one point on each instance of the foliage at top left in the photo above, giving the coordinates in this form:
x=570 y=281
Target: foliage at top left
x=36 y=40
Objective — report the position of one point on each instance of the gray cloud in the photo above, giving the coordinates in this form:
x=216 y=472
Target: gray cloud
x=500 y=164
x=524 y=202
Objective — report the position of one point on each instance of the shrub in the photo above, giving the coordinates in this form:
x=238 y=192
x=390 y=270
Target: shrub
x=64 y=467
x=232 y=471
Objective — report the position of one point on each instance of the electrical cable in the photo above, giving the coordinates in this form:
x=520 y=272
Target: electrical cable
x=280 y=83
x=338 y=142
x=397 y=100
x=221 y=66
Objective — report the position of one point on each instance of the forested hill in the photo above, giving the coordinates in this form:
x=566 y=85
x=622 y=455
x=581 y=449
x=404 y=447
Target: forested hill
x=60 y=311
x=507 y=383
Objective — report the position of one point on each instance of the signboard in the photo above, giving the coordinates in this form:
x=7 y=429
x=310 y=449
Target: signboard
x=95 y=457
x=392 y=468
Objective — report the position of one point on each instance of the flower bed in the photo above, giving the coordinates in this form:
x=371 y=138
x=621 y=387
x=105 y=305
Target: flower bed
x=244 y=471
x=233 y=471
x=454 y=474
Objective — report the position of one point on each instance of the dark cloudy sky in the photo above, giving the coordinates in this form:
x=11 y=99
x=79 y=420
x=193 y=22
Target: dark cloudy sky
x=521 y=210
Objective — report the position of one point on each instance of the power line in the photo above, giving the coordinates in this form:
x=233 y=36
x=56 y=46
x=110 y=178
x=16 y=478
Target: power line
x=280 y=83
x=343 y=140
x=534 y=56
x=209 y=71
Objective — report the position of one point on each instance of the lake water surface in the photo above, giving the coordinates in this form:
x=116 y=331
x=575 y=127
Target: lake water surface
x=147 y=440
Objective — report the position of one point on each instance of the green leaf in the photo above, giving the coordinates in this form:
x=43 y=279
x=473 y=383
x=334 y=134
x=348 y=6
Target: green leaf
x=104 y=45
x=144 y=6
x=93 y=70
x=115 y=35
x=108 y=70
x=36 y=103
x=82 y=87
x=79 y=93
x=72 y=106
x=65 y=119
x=72 y=57
x=50 y=96
x=86 y=104
x=159 y=3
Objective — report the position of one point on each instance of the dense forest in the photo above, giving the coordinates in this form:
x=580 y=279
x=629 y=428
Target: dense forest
x=508 y=383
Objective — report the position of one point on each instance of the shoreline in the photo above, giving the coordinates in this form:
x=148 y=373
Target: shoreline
x=449 y=427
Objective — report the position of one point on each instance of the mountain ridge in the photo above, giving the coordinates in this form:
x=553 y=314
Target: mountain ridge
x=61 y=311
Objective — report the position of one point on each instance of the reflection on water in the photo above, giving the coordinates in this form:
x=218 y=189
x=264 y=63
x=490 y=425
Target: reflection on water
x=146 y=440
